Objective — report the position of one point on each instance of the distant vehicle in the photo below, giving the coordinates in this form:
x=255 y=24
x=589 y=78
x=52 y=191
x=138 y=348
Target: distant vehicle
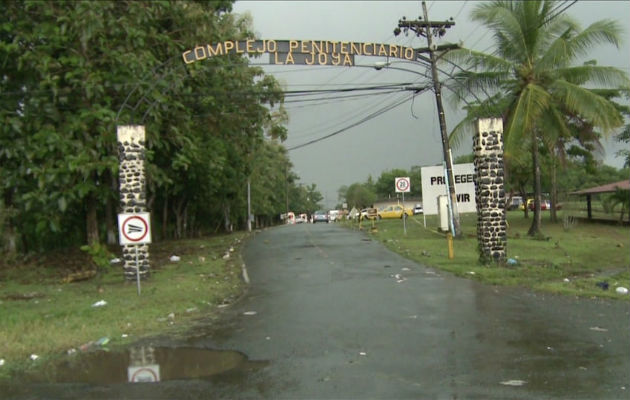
x=304 y=217
x=320 y=216
x=300 y=219
x=333 y=215
x=368 y=213
x=544 y=205
x=395 y=211
x=516 y=203
x=417 y=209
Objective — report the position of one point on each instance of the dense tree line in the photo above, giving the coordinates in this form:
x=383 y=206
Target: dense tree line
x=67 y=69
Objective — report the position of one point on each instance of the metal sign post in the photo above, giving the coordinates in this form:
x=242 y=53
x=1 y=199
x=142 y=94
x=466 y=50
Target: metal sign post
x=402 y=185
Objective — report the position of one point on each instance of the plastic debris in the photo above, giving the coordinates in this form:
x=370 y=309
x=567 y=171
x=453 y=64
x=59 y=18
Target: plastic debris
x=1 y=362
x=175 y=258
x=250 y=313
x=99 y=303
x=71 y=351
x=598 y=329
x=226 y=256
x=567 y=280
x=471 y=272
x=192 y=309
x=115 y=260
x=603 y=284
x=512 y=261
x=514 y=382
x=124 y=335
x=171 y=316
x=363 y=353
x=34 y=357
x=621 y=290
x=102 y=341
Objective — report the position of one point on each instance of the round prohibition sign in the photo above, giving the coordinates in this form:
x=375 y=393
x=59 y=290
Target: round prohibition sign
x=135 y=228
x=402 y=184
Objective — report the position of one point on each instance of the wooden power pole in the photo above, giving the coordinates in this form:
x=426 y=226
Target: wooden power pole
x=428 y=29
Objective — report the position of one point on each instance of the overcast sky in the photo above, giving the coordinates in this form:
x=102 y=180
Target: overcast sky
x=409 y=134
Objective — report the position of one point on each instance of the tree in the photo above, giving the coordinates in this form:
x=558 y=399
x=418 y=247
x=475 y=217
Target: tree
x=206 y=123
x=530 y=80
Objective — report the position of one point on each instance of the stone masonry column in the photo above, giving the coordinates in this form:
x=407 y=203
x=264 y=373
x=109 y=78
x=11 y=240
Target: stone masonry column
x=489 y=191
x=131 y=154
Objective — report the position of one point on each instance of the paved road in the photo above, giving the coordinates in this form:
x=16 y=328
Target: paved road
x=333 y=314
x=339 y=316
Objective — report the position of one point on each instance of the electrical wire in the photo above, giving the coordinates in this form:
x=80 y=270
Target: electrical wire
x=363 y=120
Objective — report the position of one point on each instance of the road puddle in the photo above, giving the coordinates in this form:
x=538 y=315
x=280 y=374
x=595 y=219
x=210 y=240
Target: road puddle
x=146 y=364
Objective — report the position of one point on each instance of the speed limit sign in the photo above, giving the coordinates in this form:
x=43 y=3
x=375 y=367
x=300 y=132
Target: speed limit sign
x=403 y=185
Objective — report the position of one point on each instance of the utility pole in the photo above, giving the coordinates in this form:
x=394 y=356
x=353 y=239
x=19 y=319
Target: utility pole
x=429 y=29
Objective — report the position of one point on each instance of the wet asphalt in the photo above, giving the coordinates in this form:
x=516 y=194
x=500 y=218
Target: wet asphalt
x=332 y=314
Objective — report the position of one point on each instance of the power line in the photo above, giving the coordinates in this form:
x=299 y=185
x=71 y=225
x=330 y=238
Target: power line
x=367 y=118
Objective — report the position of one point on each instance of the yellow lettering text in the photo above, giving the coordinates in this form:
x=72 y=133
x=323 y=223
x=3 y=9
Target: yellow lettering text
x=382 y=51
x=317 y=47
x=215 y=51
x=310 y=61
x=322 y=58
x=289 y=59
x=347 y=60
x=250 y=46
x=272 y=46
x=410 y=54
x=305 y=46
x=355 y=48
x=393 y=51
x=343 y=48
x=185 y=56
x=293 y=44
x=229 y=45
x=200 y=53
x=336 y=58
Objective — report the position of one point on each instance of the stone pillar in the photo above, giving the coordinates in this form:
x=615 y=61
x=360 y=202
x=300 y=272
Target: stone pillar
x=489 y=191
x=131 y=155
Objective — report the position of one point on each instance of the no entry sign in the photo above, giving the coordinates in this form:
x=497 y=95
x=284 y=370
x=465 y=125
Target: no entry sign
x=403 y=185
x=134 y=228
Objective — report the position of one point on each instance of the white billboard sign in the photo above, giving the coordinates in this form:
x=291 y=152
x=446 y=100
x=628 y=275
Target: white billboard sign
x=434 y=185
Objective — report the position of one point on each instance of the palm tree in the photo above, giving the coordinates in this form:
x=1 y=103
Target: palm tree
x=530 y=80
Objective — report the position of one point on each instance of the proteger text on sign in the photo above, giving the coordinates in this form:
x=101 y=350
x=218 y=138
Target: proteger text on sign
x=434 y=185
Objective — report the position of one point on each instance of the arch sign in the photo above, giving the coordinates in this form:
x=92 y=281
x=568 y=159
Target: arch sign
x=301 y=52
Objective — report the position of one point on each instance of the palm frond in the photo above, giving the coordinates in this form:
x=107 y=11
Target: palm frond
x=581 y=101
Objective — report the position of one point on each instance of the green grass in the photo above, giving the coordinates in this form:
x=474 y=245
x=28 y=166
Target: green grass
x=42 y=316
x=584 y=254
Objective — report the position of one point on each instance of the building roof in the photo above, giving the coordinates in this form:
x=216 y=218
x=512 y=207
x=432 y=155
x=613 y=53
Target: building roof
x=610 y=187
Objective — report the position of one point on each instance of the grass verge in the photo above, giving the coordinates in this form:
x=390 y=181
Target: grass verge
x=44 y=317
x=569 y=260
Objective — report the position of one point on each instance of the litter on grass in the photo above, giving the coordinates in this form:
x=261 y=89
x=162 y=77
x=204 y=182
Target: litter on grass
x=175 y=258
x=250 y=313
x=598 y=329
x=621 y=290
x=99 y=303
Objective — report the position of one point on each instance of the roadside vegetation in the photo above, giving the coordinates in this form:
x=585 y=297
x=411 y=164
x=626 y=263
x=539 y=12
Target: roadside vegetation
x=577 y=259
x=45 y=318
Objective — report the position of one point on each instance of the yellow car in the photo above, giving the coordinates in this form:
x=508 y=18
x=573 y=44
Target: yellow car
x=395 y=211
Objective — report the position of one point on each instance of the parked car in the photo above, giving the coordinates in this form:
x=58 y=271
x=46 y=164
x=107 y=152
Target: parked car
x=395 y=211
x=544 y=205
x=320 y=216
x=417 y=209
x=368 y=213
